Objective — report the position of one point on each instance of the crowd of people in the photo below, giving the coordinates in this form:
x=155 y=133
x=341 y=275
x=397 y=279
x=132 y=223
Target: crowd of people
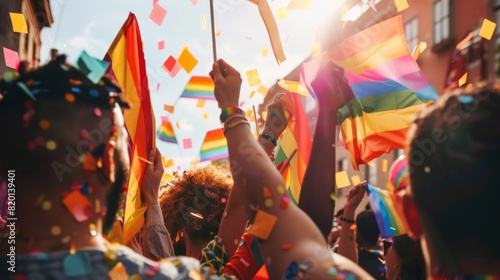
x=65 y=142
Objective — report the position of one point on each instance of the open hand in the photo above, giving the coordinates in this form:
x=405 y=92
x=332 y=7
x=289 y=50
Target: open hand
x=227 y=84
x=331 y=87
x=355 y=197
x=276 y=120
x=152 y=178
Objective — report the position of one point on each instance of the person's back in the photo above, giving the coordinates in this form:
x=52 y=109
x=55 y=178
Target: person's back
x=64 y=156
x=452 y=205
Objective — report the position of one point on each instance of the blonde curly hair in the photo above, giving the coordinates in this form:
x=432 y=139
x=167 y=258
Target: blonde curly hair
x=195 y=202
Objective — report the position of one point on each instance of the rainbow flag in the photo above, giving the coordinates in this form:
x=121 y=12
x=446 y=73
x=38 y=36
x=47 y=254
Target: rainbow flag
x=214 y=146
x=200 y=88
x=128 y=66
x=388 y=210
x=388 y=85
x=166 y=132
x=296 y=136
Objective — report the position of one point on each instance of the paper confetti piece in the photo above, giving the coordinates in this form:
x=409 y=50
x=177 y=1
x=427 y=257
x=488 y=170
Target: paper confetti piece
x=46 y=205
x=187 y=60
x=355 y=180
x=487 y=29
x=203 y=23
x=55 y=230
x=333 y=196
x=286 y=246
x=315 y=49
x=78 y=205
x=244 y=262
x=263 y=225
x=168 y=108
x=158 y=14
x=419 y=48
x=300 y=4
x=353 y=227
x=464 y=41
x=372 y=4
x=262 y=90
x=77 y=264
x=168 y=163
x=268 y=203
x=266 y=192
x=384 y=165
x=462 y=80
x=401 y=5
x=264 y=52
x=272 y=30
x=11 y=58
x=19 y=24
x=292 y=272
x=194 y=2
x=161 y=45
x=282 y=13
x=284 y=202
x=206 y=116
x=187 y=143
x=118 y=272
x=293 y=86
x=51 y=145
x=253 y=77
x=342 y=180
x=201 y=103
x=92 y=67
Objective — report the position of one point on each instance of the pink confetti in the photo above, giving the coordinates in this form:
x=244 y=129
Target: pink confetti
x=194 y=2
x=244 y=262
x=223 y=200
x=187 y=143
x=248 y=38
x=97 y=112
x=158 y=14
x=11 y=58
x=158 y=87
x=161 y=45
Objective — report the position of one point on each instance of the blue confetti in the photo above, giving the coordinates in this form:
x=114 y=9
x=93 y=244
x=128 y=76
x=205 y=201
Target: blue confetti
x=465 y=99
x=94 y=93
x=75 y=89
x=292 y=271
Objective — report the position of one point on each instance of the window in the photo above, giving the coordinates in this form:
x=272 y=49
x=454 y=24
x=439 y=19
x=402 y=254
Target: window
x=496 y=39
x=441 y=21
x=411 y=32
x=398 y=153
x=371 y=172
x=342 y=164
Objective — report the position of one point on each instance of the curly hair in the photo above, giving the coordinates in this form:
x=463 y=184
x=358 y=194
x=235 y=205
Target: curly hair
x=195 y=202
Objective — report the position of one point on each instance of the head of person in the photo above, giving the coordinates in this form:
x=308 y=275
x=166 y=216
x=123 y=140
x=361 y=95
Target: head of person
x=408 y=261
x=452 y=201
x=367 y=232
x=64 y=143
x=193 y=204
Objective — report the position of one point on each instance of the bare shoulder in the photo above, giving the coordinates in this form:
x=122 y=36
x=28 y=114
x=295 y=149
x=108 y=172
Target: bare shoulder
x=345 y=265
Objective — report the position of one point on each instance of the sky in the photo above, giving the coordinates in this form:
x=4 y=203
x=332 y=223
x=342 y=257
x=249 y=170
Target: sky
x=91 y=25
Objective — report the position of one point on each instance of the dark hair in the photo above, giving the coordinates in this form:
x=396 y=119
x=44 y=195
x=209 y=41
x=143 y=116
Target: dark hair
x=412 y=263
x=453 y=155
x=367 y=227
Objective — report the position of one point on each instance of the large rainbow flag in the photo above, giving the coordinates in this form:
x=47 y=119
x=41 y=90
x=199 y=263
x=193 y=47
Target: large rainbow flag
x=388 y=209
x=199 y=87
x=388 y=85
x=166 y=132
x=296 y=136
x=128 y=66
x=214 y=146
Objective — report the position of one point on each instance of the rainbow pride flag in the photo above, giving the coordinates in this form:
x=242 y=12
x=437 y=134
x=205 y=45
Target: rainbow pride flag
x=166 y=132
x=388 y=210
x=388 y=85
x=128 y=66
x=296 y=136
x=199 y=87
x=214 y=146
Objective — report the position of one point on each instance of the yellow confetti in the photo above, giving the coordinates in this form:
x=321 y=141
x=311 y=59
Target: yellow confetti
x=177 y=125
x=264 y=115
x=371 y=164
x=55 y=230
x=51 y=145
x=201 y=103
x=281 y=189
x=262 y=90
x=205 y=116
x=342 y=180
x=384 y=165
x=187 y=61
x=315 y=49
x=355 y=180
x=253 y=77
x=462 y=80
x=389 y=186
x=168 y=163
x=19 y=24
x=203 y=23
x=282 y=13
x=252 y=93
x=333 y=196
x=401 y=5
x=268 y=202
x=264 y=52
x=293 y=86
x=487 y=29
x=97 y=206
x=46 y=205
x=419 y=48
x=217 y=34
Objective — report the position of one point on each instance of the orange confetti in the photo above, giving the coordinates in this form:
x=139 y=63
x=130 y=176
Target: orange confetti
x=70 y=97
x=44 y=124
x=487 y=29
x=168 y=108
x=353 y=227
x=462 y=80
x=286 y=246
x=267 y=192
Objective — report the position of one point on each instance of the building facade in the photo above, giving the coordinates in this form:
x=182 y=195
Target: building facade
x=38 y=15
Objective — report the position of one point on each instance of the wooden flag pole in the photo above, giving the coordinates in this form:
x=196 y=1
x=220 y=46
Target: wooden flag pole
x=212 y=22
x=255 y=119
x=288 y=160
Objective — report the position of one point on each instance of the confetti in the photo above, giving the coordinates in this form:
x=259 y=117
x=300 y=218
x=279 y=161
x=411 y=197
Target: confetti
x=282 y=13
x=161 y=45
x=355 y=180
x=353 y=227
x=263 y=225
x=253 y=77
x=264 y=52
x=169 y=108
x=293 y=86
x=384 y=165
x=158 y=14
x=118 y=272
x=280 y=189
x=223 y=200
x=194 y=2
x=19 y=24
x=187 y=61
x=401 y=5
x=333 y=196
x=463 y=80
x=268 y=202
x=40 y=199
x=46 y=205
x=342 y=180
x=272 y=30
x=97 y=112
x=78 y=205
x=419 y=49
x=292 y=271
x=171 y=66
x=187 y=143
x=487 y=29
x=286 y=246
x=44 y=124
x=262 y=90
x=97 y=206
x=77 y=264
x=11 y=58
x=372 y=4
x=55 y=230
x=51 y=145
x=244 y=262
x=266 y=192
x=203 y=23
x=201 y=103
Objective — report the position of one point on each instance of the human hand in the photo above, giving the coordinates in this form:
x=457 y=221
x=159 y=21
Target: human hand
x=227 y=84
x=276 y=120
x=152 y=178
x=354 y=198
x=332 y=88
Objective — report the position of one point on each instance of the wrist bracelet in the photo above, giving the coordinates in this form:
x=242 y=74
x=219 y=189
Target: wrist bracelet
x=269 y=137
x=230 y=111
x=347 y=220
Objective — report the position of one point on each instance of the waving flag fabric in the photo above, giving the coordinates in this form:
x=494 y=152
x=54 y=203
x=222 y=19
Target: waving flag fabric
x=166 y=131
x=127 y=65
x=199 y=87
x=388 y=210
x=214 y=146
x=387 y=83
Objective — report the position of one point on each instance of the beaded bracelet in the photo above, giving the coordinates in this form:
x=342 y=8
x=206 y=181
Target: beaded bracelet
x=269 y=137
x=230 y=111
x=347 y=220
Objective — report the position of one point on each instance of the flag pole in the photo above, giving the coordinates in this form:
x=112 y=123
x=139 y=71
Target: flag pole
x=213 y=29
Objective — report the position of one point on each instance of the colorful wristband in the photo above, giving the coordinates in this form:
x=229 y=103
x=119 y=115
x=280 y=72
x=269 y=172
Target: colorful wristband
x=269 y=137
x=230 y=111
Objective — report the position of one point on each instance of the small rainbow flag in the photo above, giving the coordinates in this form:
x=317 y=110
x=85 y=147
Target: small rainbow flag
x=166 y=132
x=388 y=210
x=199 y=87
x=214 y=146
